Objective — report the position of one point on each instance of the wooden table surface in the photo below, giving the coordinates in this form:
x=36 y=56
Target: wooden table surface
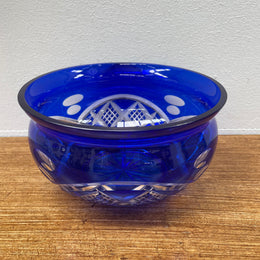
x=217 y=217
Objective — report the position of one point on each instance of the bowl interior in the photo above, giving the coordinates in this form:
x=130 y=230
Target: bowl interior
x=122 y=95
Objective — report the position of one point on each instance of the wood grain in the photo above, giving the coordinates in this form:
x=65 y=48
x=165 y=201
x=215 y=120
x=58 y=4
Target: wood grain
x=217 y=217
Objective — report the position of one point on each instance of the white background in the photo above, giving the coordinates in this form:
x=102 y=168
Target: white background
x=217 y=38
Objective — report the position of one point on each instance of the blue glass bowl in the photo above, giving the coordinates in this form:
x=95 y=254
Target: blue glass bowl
x=122 y=133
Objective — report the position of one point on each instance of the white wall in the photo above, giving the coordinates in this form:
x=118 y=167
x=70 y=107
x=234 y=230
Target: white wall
x=218 y=38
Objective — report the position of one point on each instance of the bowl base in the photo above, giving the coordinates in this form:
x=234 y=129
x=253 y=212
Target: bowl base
x=121 y=194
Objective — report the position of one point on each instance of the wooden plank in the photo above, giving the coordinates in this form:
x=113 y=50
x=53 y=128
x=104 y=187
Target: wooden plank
x=217 y=217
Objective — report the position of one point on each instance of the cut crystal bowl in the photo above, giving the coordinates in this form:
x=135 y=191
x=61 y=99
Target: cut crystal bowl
x=122 y=133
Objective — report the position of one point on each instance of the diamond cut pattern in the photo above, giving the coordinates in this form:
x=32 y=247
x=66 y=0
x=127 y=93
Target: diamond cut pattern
x=101 y=193
x=112 y=115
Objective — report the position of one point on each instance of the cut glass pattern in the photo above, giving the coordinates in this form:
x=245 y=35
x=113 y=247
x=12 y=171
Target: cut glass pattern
x=115 y=113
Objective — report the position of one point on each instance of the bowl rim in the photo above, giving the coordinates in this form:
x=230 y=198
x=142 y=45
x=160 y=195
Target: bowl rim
x=119 y=132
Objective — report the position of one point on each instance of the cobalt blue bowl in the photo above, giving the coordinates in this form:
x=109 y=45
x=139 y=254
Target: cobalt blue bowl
x=122 y=133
